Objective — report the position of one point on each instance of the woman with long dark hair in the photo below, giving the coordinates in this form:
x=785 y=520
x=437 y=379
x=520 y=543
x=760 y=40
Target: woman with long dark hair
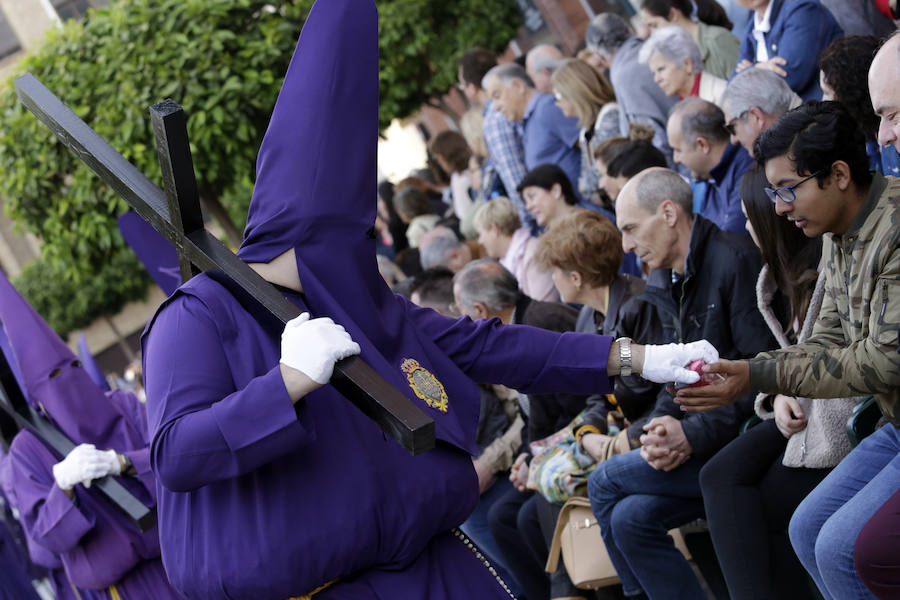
x=719 y=47
x=753 y=485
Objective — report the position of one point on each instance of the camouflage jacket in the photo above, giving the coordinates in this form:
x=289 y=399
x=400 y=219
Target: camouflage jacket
x=853 y=347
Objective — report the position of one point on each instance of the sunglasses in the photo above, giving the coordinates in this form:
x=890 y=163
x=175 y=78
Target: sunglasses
x=786 y=193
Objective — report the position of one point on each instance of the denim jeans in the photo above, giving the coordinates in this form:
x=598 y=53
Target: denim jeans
x=476 y=527
x=826 y=524
x=636 y=506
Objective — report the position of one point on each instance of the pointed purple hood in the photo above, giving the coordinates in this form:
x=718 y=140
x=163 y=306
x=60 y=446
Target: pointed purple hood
x=90 y=365
x=316 y=192
x=153 y=250
x=53 y=379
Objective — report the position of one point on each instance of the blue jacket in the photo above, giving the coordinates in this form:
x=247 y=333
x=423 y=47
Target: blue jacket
x=722 y=202
x=801 y=29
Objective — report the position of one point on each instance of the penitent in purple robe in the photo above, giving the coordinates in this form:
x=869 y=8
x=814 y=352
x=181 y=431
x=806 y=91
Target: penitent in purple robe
x=261 y=499
x=15 y=583
x=40 y=556
x=97 y=545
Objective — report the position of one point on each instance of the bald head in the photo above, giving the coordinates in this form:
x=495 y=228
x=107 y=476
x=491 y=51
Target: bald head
x=651 y=187
x=653 y=212
x=884 y=88
x=540 y=62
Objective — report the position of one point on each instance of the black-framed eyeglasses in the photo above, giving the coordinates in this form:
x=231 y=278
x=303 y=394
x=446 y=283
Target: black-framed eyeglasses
x=786 y=192
x=729 y=126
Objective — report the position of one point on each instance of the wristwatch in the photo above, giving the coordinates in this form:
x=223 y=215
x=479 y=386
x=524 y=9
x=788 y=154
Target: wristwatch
x=624 y=356
x=126 y=464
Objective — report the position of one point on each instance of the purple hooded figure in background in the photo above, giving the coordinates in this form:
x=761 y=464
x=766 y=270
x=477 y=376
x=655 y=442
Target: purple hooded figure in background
x=153 y=250
x=90 y=365
x=99 y=548
x=39 y=556
x=271 y=484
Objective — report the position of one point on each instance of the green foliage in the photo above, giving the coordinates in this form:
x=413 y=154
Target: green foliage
x=67 y=305
x=223 y=61
x=419 y=42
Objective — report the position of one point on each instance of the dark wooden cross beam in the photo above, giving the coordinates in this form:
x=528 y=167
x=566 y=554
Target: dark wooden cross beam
x=17 y=413
x=176 y=214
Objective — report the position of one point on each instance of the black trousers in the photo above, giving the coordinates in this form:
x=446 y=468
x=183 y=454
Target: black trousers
x=749 y=497
x=514 y=525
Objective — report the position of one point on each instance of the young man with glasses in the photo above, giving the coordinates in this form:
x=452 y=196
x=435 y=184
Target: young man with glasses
x=816 y=164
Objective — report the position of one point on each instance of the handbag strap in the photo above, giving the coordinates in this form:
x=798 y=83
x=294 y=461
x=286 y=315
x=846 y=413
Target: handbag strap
x=561 y=522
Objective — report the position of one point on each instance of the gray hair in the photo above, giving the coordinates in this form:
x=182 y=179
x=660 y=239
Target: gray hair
x=606 y=33
x=507 y=72
x=544 y=57
x=436 y=250
x=488 y=282
x=675 y=45
x=658 y=184
x=758 y=88
x=700 y=118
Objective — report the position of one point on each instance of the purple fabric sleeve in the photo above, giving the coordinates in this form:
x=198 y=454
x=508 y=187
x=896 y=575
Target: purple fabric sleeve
x=49 y=517
x=140 y=459
x=524 y=358
x=206 y=431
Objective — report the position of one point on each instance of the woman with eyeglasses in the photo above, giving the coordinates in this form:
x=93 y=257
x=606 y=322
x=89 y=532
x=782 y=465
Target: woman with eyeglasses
x=753 y=485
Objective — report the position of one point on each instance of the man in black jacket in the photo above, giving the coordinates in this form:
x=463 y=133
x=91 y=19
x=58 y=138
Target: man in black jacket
x=702 y=282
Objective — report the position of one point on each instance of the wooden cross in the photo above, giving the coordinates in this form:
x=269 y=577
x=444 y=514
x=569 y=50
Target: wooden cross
x=18 y=414
x=176 y=214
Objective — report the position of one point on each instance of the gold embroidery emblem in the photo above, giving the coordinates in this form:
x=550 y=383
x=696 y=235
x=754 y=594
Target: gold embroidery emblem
x=425 y=385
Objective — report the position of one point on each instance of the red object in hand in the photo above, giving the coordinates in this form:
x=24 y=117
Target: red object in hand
x=697 y=367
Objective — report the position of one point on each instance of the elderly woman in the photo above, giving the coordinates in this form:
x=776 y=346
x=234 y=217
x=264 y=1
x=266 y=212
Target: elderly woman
x=677 y=66
x=719 y=47
x=501 y=233
x=582 y=92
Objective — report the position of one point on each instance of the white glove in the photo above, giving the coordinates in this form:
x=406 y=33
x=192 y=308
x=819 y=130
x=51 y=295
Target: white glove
x=313 y=346
x=665 y=364
x=84 y=464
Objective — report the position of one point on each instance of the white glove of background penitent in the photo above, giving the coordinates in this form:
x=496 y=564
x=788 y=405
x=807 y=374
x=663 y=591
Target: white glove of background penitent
x=84 y=464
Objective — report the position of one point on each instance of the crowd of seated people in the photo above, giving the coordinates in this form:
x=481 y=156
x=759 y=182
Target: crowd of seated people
x=670 y=188
x=724 y=171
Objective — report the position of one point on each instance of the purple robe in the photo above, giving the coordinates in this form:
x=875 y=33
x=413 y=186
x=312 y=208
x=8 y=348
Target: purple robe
x=319 y=493
x=97 y=545
x=14 y=582
x=39 y=555
x=260 y=498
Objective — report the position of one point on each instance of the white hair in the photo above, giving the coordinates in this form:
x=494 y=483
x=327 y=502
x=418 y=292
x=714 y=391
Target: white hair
x=758 y=88
x=674 y=44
